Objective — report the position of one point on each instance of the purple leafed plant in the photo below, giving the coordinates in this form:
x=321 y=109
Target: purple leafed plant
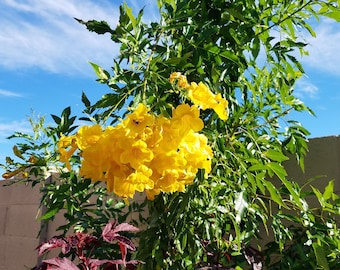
x=81 y=242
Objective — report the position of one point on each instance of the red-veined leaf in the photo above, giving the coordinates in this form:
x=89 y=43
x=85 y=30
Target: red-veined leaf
x=54 y=242
x=60 y=264
x=125 y=227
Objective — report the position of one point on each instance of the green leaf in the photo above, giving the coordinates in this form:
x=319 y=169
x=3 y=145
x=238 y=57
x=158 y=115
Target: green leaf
x=333 y=15
x=56 y=119
x=255 y=47
x=131 y=17
x=102 y=74
x=320 y=256
x=319 y=195
x=329 y=189
x=257 y=167
x=17 y=152
x=274 y=193
x=230 y=56
x=66 y=113
x=240 y=205
x=295 y=195
x=278 y=169
x=275 y=155
x=214 y=49
x=100 y=28
x=50 y=213
x=85 y=100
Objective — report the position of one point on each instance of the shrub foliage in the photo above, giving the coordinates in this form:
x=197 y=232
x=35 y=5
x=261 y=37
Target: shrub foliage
x=245 y=52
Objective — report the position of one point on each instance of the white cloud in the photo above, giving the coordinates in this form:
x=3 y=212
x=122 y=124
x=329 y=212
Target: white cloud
x=6 y=93
x=8 y=128
x=43 y=34
x=306 y=89
x=324 y=49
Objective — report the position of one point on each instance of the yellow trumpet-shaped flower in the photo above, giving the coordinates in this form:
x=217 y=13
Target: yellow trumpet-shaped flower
x=88 y=136
x=201 y=95
x=220 y=107
x=136 y=181
x=67 y=145
x=138 y=120
x=185 y=118
x=182 y=80
x=8 y=175
x=136 y=154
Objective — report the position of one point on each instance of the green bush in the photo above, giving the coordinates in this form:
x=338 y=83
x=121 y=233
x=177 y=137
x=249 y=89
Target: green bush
x=245 y=51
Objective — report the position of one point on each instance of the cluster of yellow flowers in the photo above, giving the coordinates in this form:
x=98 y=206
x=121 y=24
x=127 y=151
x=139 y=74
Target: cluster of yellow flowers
x=147 y=152
x=201 y=95
x=143 y=152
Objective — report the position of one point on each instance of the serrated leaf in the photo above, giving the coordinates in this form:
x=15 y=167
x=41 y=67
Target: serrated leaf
x=125 y=227
x=256 y=167
x=275 y=155
x=66 y=112
x=296 y=197
x=56 y=119
x=54 y=242
x=85 y=100
x=274 y=193
x=131 y=17
x=107 y=100
x=100 y=28
x=278 y=169
x=61 y=264
x=126 y=242
x=50 y=213
x=214 y=49
x=100 y=72
x=93 y=263
x=329 y=189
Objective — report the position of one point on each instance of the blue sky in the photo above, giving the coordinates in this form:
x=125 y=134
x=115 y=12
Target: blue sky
x=44 y=55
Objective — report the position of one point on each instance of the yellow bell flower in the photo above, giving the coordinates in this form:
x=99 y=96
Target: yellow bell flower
x=65 y=155
x=185 y=118
x=88 y=136
x=221 y=107
x=201 y=95
x=182 y=80
x=138 y=120
x=136 y=154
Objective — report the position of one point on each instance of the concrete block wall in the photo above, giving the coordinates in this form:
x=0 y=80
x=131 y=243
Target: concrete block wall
x=19 y=204
x=18 y=226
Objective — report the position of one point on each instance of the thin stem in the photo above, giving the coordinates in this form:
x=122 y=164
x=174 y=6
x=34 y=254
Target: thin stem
x=285 y=18
x=145 y=79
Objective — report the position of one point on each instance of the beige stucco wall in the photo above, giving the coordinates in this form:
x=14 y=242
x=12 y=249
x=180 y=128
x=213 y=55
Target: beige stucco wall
x=322 y=163
x=19 y=204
